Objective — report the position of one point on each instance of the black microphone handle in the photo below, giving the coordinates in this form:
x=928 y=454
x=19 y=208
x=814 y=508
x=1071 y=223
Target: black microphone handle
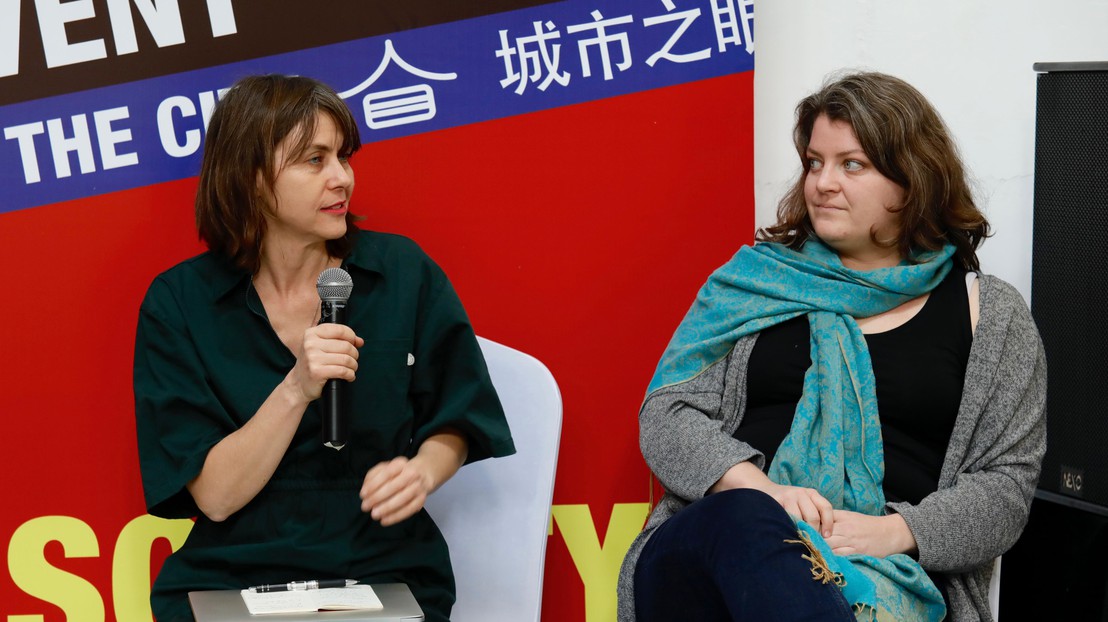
x=336 y=392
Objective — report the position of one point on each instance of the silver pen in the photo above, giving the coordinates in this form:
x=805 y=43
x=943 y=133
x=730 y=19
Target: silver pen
x=293 y=586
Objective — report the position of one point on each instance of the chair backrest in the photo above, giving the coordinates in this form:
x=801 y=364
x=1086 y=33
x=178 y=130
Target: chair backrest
x=495 y=513
x=994 y=590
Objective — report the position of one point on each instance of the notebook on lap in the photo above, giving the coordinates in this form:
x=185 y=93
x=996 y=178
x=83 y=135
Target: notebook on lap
x=228 y=606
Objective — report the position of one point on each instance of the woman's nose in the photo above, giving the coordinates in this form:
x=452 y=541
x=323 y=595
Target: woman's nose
x=827 y=179
x=341 y=173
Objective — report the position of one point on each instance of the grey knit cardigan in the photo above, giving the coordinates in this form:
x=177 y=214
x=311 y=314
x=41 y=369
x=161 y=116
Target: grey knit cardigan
x=988 y=476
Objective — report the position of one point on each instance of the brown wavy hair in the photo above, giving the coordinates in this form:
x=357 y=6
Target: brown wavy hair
x=248 y=123
x=906 y=140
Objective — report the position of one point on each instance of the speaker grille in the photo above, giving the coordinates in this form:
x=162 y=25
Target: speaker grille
x=1069 y=284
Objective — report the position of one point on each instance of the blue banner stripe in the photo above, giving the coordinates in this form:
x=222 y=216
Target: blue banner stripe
x=150 y=131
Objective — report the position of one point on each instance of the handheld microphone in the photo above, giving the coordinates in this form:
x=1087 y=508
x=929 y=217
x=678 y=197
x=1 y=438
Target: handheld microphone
x=334 y=286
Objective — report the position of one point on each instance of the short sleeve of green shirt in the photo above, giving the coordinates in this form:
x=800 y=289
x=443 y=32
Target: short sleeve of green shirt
x=450 y=380
x=206 y=358
x=178 y=417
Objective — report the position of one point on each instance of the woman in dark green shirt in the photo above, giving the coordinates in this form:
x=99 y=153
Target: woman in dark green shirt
x=230 y=360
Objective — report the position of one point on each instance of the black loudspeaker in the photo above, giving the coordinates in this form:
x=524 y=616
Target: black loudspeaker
x=1056 y=571
x=1069 y=283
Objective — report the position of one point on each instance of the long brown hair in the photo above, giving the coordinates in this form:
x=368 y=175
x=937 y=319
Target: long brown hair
x=248 y=123
x=906 y=140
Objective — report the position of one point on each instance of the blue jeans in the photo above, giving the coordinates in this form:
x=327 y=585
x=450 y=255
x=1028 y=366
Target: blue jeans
x=725 y=558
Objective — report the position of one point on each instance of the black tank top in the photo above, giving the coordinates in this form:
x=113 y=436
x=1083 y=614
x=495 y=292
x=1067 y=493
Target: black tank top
x=919 y=368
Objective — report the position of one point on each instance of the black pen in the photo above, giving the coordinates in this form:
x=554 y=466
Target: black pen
x=303 y=585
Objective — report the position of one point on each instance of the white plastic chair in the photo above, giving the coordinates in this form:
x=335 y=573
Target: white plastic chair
x=495 y=513
x=994 y=590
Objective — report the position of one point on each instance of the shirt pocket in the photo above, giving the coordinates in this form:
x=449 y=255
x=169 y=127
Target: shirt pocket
x=381 y=390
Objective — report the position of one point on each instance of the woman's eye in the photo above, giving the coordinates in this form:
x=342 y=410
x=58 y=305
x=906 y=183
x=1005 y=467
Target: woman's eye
x=814 y=164
x=852 y=165
x=315 y=160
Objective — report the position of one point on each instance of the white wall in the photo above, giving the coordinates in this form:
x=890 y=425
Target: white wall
x=971 y=58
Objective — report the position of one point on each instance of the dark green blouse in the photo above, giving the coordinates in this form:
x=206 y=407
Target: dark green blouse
x=205 y=360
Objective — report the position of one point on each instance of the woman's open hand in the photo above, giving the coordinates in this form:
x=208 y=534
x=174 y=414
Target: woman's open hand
x=862 y=534
x=805 y=503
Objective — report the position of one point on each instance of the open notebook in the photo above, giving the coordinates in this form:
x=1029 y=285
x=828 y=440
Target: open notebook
x=354 y=597
x=397 y=605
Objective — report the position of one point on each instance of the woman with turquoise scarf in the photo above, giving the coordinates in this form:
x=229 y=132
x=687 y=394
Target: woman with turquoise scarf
x=849 y=422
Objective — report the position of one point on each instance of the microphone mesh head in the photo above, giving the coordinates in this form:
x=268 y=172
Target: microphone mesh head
x=334 y=285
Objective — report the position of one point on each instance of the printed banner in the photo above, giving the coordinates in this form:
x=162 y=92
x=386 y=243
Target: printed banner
x=51 y=47
x=150 y=131
x=577 y=168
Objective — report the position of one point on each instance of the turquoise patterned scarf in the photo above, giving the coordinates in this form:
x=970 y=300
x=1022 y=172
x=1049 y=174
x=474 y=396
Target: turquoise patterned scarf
x=834 y=444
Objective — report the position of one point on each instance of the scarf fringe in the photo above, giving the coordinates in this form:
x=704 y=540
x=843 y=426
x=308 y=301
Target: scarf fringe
x=865 y=613
x=820 y=570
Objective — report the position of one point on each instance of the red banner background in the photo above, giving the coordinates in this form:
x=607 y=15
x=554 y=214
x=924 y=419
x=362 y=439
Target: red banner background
x=579 y=235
